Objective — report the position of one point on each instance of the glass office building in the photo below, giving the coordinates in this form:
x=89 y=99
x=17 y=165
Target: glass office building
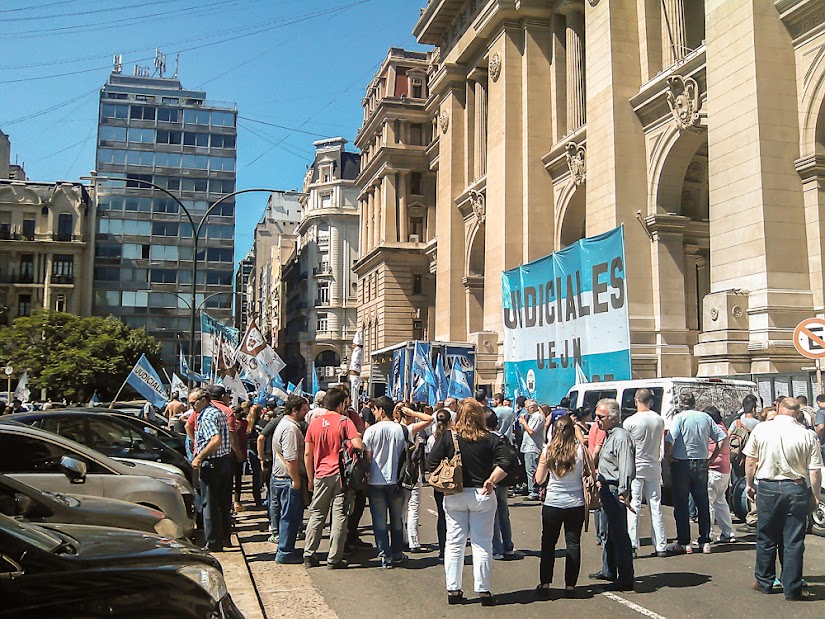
x=152 y=130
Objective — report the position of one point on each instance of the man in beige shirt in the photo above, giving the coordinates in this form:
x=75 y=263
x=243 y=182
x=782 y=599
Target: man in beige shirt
x=784 y=458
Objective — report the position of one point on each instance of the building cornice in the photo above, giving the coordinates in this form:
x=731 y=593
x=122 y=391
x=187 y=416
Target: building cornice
x=390 y=109
x=804 y=19
x=380 y=253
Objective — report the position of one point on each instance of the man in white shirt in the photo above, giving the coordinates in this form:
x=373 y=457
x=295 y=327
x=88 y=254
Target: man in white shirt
x=384 y=444
x=785 y=458
x=532 y=420
x=647 y=429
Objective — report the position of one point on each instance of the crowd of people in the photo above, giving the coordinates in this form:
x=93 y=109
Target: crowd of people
x=328 y=460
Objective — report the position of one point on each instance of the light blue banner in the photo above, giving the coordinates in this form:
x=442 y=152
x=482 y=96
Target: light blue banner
x=566 y=319
x=146 y=382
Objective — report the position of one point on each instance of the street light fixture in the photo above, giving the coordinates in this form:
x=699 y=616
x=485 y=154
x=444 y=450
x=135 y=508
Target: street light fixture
x=196 y=230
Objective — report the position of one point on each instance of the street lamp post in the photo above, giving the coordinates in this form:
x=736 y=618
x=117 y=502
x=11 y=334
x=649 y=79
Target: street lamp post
x=196 y=230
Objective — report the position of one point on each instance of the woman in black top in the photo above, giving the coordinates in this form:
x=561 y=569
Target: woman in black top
x=485 y=462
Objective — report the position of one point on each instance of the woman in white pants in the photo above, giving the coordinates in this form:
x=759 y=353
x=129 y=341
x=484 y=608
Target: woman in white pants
x=718 y=481
x=416 y=422
x=485 y=461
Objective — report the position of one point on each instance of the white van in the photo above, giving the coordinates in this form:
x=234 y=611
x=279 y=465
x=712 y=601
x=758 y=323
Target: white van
x=724 y=394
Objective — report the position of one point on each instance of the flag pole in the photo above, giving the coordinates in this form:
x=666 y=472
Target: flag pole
x=112 y=403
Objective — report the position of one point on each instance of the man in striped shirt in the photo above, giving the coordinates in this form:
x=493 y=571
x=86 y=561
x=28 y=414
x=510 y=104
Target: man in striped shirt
x=213 y=460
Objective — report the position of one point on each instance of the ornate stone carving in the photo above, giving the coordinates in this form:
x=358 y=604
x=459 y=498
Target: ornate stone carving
x=737 y=311
x=495 y=66
x=576 y=162
x=683 y=99
x=444 y=121
x=714 y=314
x=593 y=2
x=479 y=204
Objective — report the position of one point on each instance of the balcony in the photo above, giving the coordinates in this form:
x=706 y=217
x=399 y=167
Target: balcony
x=324 y=270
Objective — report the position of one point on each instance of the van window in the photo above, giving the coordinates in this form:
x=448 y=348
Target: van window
x=629 y=402
x=591 y=398
x=574 y=399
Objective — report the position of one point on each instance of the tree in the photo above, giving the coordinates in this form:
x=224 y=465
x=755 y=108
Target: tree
x=72 y=357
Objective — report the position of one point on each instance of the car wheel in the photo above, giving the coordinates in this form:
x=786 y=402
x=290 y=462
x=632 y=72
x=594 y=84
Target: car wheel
x=816 y=523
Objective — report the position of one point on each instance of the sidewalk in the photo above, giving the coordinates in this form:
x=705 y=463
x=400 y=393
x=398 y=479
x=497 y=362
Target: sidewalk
x=239 y=582
x=285 y=591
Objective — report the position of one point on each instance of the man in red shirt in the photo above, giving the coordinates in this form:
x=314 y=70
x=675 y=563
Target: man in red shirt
x=323 y=443
x=595 y=439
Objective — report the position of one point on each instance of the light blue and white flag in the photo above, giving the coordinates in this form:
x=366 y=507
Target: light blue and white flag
x=441 y=380
x=95 y=401
x=146 y=382
x=566 y=315
x=459 y=387
x=299 y=388
x=189 y=374
x=316 y=387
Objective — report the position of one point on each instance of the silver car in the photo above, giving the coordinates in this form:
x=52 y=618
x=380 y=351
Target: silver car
x=56 y=464
x=19 y=500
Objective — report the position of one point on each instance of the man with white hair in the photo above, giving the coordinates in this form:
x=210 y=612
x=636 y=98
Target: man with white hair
x=319 y=397
x=532 y=443
x=617 y=470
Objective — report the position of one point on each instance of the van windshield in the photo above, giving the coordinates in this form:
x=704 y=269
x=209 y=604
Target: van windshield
x=591 y=398
x=629 y=400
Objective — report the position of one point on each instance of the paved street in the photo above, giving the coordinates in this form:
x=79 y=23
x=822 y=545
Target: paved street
x=676 y=587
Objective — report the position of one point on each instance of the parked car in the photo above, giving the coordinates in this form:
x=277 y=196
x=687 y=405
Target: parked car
x=115 y=435
x=74 y=571
x=19 y=500
x=53 y=463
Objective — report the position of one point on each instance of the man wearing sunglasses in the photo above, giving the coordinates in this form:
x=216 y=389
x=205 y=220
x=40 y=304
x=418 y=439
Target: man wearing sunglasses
x=212 y=459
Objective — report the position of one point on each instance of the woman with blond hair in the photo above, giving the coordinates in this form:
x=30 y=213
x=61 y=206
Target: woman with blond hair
x=485 y=461
x=561 y=464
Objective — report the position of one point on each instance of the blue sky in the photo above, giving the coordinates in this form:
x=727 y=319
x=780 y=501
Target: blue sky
x=302 y=64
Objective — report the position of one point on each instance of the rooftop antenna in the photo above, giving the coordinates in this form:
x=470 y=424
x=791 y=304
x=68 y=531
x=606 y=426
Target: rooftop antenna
x=117 y=63
x=177 y=60
x=160 y=63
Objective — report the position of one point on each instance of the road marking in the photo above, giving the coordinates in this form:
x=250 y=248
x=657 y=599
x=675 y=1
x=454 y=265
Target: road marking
x=639 y=609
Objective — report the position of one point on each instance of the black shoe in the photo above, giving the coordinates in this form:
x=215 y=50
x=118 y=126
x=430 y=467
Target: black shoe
x=357 y=542
x=311 y=561
x=228 y=542
x=487 y=598
x=543 y=591
x=455 y=597
x=600 y=576
x=339 y=565
x=570 y=592
x=621 y=586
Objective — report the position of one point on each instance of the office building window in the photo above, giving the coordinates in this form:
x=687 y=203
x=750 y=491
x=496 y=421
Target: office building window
x=141 y=136
x=218 y=278
x=142 y=112
x=163 y=252
x=169 y=115
x=165 y=228
x=112 y=134
x=223 y=119
x=195 y=117
x=163 y=276
x=107 y=274
x=195 y=139
x=110 y=110
x=223 y=141
x=103 y=250
x=322 y=325
x=136 y=181
x=24 y=305
x=218 y=254
x=168 y=137
x=139 y=298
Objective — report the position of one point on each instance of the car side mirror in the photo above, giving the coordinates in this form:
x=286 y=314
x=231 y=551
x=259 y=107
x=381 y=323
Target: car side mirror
x=74 y=469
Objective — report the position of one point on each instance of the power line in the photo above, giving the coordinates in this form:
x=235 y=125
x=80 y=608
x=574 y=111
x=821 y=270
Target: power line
x=274 y=26
x=35 y=7
x=48 y=109
x=277 y=126
x=122 y=7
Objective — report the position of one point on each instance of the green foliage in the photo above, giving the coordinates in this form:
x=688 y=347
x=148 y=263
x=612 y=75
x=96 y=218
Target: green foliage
x=71 y=356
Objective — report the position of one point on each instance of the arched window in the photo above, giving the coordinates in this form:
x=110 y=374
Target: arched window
x=65 y=224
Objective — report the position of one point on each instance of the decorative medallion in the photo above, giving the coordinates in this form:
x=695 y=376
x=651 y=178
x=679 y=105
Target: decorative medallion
x=714 y=313
x=478 y=202
x=683 y=99
x=444 y=121
x=495 y=66
x=576 y=162
x=737 y=311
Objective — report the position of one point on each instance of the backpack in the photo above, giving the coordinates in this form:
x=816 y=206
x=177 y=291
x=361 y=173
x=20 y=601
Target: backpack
x=409 y=464
x=738 y=439
x=353 y=466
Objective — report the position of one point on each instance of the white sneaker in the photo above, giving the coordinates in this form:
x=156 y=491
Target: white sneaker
x=706 y=549
x=727 y=539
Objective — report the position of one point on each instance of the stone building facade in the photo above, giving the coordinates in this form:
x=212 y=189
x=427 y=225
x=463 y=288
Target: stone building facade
x=697 y=125
x=321 y=302
x=396 y=290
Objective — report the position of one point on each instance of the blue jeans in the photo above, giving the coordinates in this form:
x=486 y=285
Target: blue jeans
x=782 y=513
x=385 y=499
x=617 y=553
x=292 y=511
x=502 y=532
x=216 y=486
x=531 y=463
x=690 y=478
x=274 y=507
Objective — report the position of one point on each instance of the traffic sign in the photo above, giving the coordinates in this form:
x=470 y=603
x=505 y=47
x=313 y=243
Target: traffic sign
x=809 y=338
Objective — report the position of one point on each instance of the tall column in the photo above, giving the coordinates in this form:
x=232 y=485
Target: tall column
x=378 y=215
x=403 y=216
x=363 y=227
x=674 y=39
x=575 y=69
x=480 y=129
x=390 y=202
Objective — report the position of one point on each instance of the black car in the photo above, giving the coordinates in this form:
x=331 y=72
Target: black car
x=110 y=434
x=74 y=571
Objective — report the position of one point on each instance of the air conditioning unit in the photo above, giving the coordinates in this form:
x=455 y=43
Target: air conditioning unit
x=414 y=238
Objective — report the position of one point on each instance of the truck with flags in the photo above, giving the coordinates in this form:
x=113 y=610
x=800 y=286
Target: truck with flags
x=423 y=371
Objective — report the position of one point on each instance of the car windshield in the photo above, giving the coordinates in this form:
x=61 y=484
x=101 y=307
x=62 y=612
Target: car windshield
x=30 y=533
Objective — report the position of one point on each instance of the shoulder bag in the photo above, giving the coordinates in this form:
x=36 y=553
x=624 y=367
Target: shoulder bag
x=448 y=477
x=591 y=490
